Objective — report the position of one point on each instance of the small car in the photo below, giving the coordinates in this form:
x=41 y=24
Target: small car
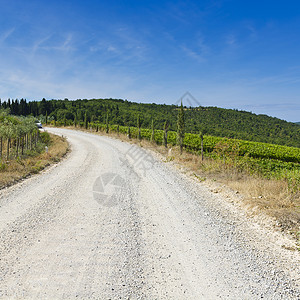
x=39 y=124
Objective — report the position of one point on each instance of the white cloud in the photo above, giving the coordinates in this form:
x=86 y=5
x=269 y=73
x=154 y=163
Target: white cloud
x=193 y=54
x=6 y=34
x=231 y=40
x=37 y=44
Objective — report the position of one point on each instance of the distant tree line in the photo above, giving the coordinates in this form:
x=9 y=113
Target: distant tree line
x=209 y=120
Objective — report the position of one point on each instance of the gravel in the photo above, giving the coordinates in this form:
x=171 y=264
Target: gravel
x=111 y=221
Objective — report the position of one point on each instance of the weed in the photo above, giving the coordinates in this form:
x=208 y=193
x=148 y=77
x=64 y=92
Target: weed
x=201 y=179
x=3 y=166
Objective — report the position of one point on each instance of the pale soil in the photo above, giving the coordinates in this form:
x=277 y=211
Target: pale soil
x=154 y=234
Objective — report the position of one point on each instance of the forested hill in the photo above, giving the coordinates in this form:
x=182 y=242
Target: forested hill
x=215 y=121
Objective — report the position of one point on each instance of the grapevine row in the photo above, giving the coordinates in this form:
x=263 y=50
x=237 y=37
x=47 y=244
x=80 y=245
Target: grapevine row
x=17 y=134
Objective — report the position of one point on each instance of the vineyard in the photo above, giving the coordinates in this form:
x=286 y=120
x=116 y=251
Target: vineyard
x=268 y=160
x=19 y=136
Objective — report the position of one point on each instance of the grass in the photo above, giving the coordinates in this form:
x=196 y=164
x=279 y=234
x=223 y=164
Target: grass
x=33 y=162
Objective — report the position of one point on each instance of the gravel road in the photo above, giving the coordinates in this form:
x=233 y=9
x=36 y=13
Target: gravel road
x=113 y=222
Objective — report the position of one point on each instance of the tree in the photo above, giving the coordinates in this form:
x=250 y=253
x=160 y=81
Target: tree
x=75 y=121
x=43 y=107
x=201 y=135
x=180 y=128
x=166 y=128
x=129 y=133
x=85 y=122
x=152 y=129
x=107 y=127
x=139 y=127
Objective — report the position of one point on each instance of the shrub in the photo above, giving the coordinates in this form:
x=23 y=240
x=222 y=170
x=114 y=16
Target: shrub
x=45 y=138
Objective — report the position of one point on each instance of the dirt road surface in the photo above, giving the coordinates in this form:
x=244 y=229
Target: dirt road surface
x=113 y=222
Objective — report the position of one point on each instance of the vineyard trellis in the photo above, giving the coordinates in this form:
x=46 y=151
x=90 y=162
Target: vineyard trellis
x=267 y=159
x=17 y=135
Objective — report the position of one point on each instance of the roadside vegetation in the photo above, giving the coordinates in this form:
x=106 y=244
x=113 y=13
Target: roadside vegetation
x=24 y=150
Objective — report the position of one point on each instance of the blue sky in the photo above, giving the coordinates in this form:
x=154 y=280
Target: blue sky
x=226 y=53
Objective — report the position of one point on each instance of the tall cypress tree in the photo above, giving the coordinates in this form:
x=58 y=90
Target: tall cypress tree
x=75 y=120
x=201 y=135
x=107 y=127
x=180 y=128
x=139 y=127
x=129 y=133
x=152 y=129
x=85 y=122
x=166 y=127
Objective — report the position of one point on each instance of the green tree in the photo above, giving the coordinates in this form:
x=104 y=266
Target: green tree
x=85 y=122
x=201 y=135
x=166 y=128
x=139 y=127
x=75 y=121
x=152 y=131
x=42 y=107
x=180 y=128
x=107 y=125
x=129 y=133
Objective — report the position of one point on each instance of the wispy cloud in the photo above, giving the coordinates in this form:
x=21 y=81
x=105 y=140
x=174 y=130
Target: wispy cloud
x=252 y=30
x=193 y=54
x=280 y=79
x=199 y=52
x=67 y=43
x=123 y=45
x=6 y=34
x=38 y=44
x=242 y=36
x=54 y=42
x=134 y=46
x=231 y=40
x=105 y=47
x=85 y=84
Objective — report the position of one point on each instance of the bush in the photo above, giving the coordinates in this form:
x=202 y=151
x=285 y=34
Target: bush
x=45 y=138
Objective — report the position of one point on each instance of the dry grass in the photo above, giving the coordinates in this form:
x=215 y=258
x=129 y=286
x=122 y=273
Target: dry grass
x=270 y=196
x=15 y=170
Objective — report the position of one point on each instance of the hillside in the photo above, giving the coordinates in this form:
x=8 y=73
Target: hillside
x=215 y=121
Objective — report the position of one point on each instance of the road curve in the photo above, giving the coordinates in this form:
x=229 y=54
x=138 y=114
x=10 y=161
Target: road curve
x=112 y=222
